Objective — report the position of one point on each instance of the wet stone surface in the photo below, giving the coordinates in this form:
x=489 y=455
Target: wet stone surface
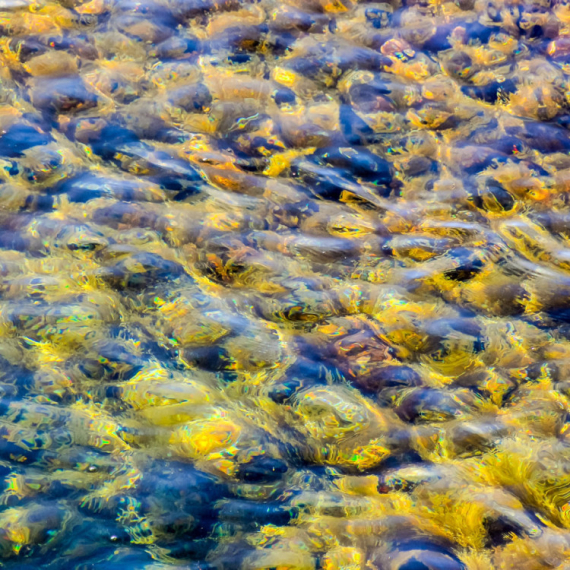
x=284 y=285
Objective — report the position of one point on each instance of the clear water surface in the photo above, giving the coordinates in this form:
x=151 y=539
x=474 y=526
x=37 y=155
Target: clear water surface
x=285 y=285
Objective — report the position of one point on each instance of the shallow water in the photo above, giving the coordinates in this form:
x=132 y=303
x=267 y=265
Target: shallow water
x=285 y=285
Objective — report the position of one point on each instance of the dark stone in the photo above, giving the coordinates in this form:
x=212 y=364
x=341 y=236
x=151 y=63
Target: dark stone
x=422 y=401
x=192 y=98
x=246 y=38
x=503 y=199
x=38 y=203
x=390 y=376
x=500 y=531
x=114 y=558
x=8 y=393
x=299 y=21
x=239 y=58
x=173 y=480
x=122 y=213
x=414 y=565
x=329 y=183
x=360 y=162
x=558 y=314
x=460 y=65
x=284 y=96
x=468 y=267
x=508 y=145
x=23 y=454
x=255 y=514
x=491 y=197
x=310 y=66
x=155 y=12
x=111 y=392
x=440 y=39
x=372 y=97
x=118 y=361
x=441 y=328
x=378 y=17
x=355 y=58
x=176 y=47
x=183 y=10
x=420 y=166
x=284 y=390
x=212 y=358
x=85 y=187
x=141 y=270
x=432 y=561
x=490 y=159
x=322 y=181
x=112 y=138
x=27 y=47
x=491 y=92
x=282 y=42
x=63 y=95
x=12 y=240
x=465 y=4
x=494 y=12
x=262 y=470
x=543 y=137
x=19 y=138
x=476 y=32
x=79 y=46
x=420 y=554
x=354 y=129
x=183 y=193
